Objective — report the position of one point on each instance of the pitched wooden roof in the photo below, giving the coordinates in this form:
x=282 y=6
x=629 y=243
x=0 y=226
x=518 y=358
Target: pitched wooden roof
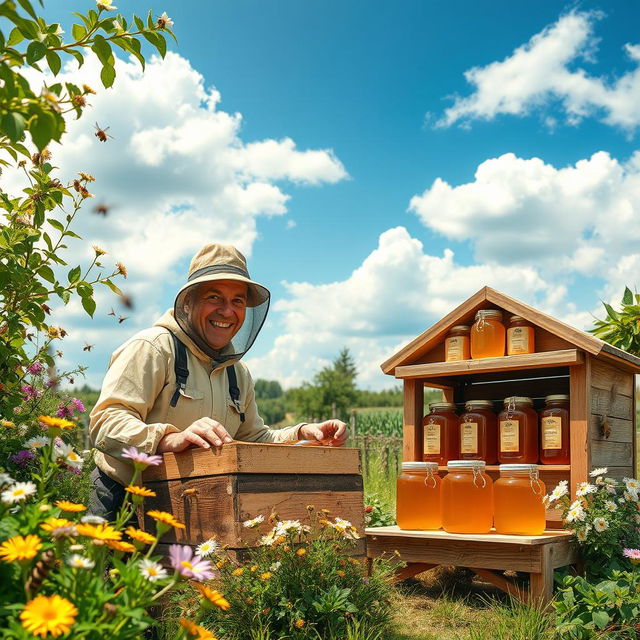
x=488 y=298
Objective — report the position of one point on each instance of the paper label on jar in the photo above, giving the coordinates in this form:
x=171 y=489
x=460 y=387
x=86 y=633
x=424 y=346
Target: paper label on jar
x=509 y=436
x=551 y=433
x=518 y=340
x=469 y=437
x=454 y=348
x=432 y=438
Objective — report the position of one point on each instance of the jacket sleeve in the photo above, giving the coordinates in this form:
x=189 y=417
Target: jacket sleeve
x=134 y=380
x=253 y=429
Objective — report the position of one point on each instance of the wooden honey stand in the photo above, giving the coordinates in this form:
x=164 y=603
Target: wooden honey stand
x=600 y=382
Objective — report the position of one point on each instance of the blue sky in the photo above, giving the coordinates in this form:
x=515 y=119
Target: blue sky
x=378 y=162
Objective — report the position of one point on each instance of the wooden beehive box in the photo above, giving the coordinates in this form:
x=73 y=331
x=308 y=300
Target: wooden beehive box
x=599 y=378
x=214 y=491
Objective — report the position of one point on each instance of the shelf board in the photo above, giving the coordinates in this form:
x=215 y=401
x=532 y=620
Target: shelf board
x=541 y=467
x=541 y=360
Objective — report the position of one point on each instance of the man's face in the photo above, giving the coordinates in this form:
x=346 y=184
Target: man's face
x=217 y=311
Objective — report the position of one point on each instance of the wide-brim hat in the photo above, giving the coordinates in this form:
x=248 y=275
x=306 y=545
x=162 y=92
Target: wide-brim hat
x=223 y=262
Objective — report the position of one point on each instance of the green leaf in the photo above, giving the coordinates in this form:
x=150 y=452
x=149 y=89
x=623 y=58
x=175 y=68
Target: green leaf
x=35 y=51
x=139 y=23
x=74 y=275
x=610 y=311
x=56 y=224
x=65 y=296
x=627 y=298
x=77 y=55
x=78 y=32
x=13 y=125
x=47 y=273
x=14 y=37
x=42 y=129
x=600 y=618
x=89 y=305
x=26 y=5
x=87 y=22
x=112 y=286
x=54 y=62
x=102 y=49
x=161 y=44
x=108 y=75
x=150 y=20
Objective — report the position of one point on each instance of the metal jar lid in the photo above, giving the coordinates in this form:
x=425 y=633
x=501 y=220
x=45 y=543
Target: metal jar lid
x=443 y=406
x=478 y=404
x=519 y=468
x=518 y=400
x=558 y=397
x=489 y=313
x=461 y=327
x=419 y=466
x=466 y=464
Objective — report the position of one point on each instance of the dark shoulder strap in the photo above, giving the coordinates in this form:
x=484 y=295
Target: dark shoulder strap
x=180 y=367
x=234 y=391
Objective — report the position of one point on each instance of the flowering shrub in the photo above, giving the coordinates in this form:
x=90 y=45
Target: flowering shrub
x=301 y=583
x=605 y=516
x=66 y=573
x=377 y=514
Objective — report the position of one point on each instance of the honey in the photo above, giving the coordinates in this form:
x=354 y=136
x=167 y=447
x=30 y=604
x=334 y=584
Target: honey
x=518 y=431
x=487 y=334
x=520 y=336
x=479 y=432
x=457 y=344
x=554 y=430
x=418 y=502
x=467 y=498
x=440 y=433
x=517 y=500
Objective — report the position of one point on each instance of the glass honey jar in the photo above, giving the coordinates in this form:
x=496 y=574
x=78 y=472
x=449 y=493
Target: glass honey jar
x=467 y=498
x=520 y=336
x=457 y=344
x=418 y=501
x=518 y=431
x=554 y=430
x=487 y=334
x=440 y=433
x=517 y=500
x=479 y=432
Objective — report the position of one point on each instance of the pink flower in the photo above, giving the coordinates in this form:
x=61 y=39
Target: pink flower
x=78 y=405
x=64 y=411
x=632 y=554
x=30 y=392
x=51 y=382
x=140 y=458
x=35 y=369
x=188 y=565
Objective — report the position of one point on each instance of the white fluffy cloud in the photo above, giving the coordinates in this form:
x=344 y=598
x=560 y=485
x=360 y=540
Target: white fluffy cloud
x=545 y=70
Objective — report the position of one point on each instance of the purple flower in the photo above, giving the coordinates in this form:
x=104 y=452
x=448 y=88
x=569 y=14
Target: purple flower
x=64 y=411
x=22 y=458
x=51 y=382
x=35 y=369
x=141 y=458
x=78 y=405
x=632 y=554
x=30 y=393
x=188 y=565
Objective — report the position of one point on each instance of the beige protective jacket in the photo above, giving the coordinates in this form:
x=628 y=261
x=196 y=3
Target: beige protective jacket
x=134 y=405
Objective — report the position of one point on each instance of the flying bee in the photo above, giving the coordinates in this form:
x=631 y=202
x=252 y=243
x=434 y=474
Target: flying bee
x=88 y=347
x=126 y=301
x=112 y=312
x=102 y=134
x=101 y=209
x=121 y=319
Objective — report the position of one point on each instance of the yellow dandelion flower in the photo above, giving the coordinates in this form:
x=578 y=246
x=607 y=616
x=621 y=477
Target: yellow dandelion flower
x=300 y=552
x=340 y=573
x=165 y=518
x=140 y=491
x=221 y=563
x=55 y=523
x=59 y=423
x=213 y=596
x=299 y=623
x=20 y=548
x=122 y=270
x=86 y=176
x=119 y=545
x=140 y=536
x=65 y=505
x=99 y=251
x=253 y=568
x=237 y=572
x=266 y=575
x=48 y=614
x=102 y=532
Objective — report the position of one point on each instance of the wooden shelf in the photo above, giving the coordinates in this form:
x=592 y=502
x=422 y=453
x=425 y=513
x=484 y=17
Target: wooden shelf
x=541 y=467
x=541 y=360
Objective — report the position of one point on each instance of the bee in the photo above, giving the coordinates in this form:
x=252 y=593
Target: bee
x=126 y=301
x=102 y=134
x=101 y=209
x=88 y=347
x=112 y=312
x=121 y=319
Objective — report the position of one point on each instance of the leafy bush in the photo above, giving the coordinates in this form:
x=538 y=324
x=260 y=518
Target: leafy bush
x=621 y=328
x=376 y=513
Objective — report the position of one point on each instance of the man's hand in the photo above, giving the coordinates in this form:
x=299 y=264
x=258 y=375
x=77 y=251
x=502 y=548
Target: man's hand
x=204 y=433
x=335 y=429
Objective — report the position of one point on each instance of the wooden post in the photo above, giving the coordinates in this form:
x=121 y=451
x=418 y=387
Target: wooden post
x=579 y=411
x=541 y=584
x=412 y=422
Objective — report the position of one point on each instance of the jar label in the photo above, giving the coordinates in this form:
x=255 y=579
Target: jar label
x=432 y=438
x=469 y=437
x=551 y=433
x=455 y=348
x=518 y=340
x=509 y=436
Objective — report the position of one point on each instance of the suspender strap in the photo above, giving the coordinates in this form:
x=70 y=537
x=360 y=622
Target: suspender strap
x=180 y=368
x=234 y=392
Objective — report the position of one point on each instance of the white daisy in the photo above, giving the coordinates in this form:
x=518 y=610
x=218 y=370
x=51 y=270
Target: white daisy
x=611 y=490
x=5 y=479
x=80 y=562
x=610 y=506
x=600 y=524
x=287 y=526
x=207 y=548
x=275 y=566
x=600 y=471
x=18 y=492
x=562 y=489
x=164 y=21
x=37 y=443
x=69 y=456
x=582 y=535
x=632 y=484
x=584 y=488
x=152 y=571
x=576 y=512
x=253 y=523
x=91 y=519
x=268 y=540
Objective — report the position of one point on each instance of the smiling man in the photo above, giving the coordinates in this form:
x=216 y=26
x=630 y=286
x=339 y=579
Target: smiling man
x=181 y=383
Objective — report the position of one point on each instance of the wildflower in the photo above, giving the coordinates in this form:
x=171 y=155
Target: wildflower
x=205 y=549
x=36 y=368
x=254 y=522
x=69 y=456
x=267 y=575
x=576 y=512
x=38 y=442
x=122 y=270
x=582 y=534
x=48 y=614
x=253 y=568
x=632 y=554
x=632 y=484
x=91 y=519
x=30 y=393
x=288 y=526
x=51 y=524
x=188 y=565
x=299 y=623
x=80 y=562
x=600 y=524
x=237 y=572
x=56 y=423
x=87 y=89
x=18 y=492
x=341 y=573
x=87 y=176
x=195 y=630
x=21 y=459
x=141 y=460
x=120 y=545
x=140 y=491
x=101 y=532
x=585 y=488
x=165 y=518
x=152 y=571
x=213 y=596
x=164 y=21
x=105 y=5
x=20 y=548
x=300 y=552
x=98 y=250
x=7 y=424
x=64 y=411
x=275 y=566
x=600 y=471
x=5 y=479
x=610 y=506
x=140 y=536
x=611 y=489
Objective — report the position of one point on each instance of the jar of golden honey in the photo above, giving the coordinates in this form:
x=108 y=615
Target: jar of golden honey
x=418 y=504
x=517 y=500
x=467 y=498
x=487 y=334
x=456 y=344
x=520 y=336
x=440 y=433
x=518 y=431
x=554 y=430
x=479 y=432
